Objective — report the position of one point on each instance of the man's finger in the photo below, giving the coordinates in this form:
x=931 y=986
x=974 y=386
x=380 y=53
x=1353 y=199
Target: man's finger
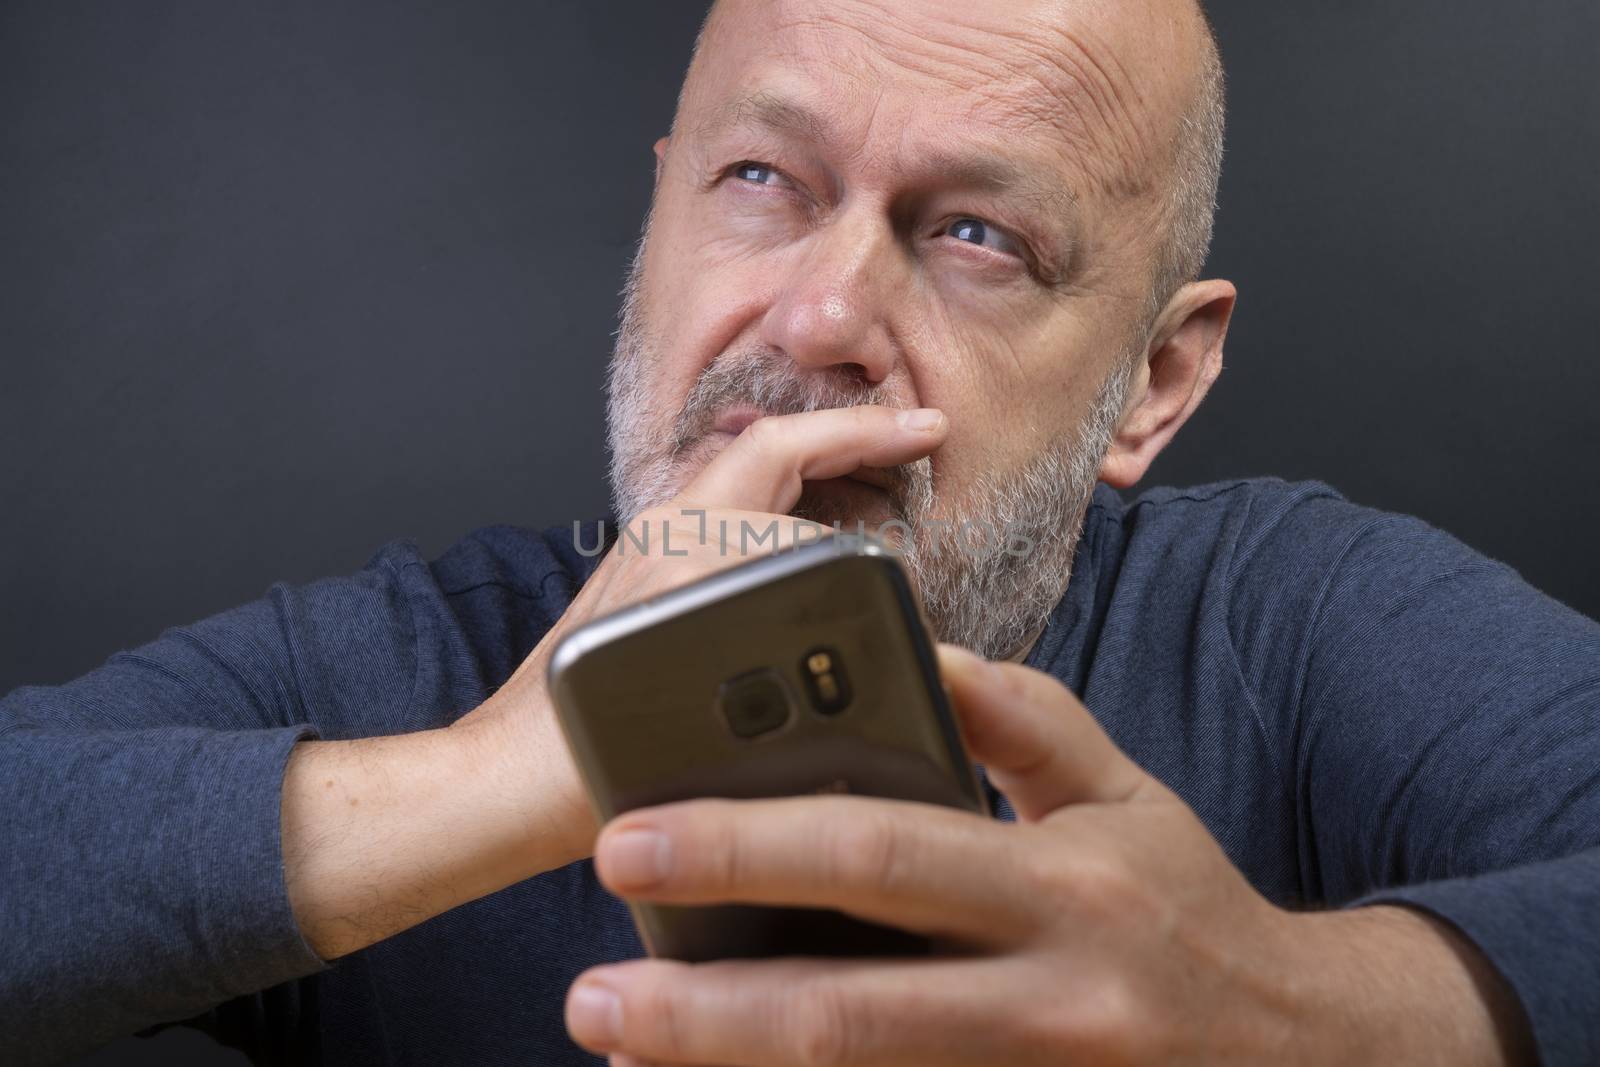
x=919 y=867
x=1038 y=743
x=887 y=1013
x=762 y=469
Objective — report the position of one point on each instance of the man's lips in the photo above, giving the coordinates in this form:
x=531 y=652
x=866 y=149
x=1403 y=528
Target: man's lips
x=876 y=477
x=734 y=420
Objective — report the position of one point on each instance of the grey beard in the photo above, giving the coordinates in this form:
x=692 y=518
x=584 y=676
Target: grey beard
x=977 y=591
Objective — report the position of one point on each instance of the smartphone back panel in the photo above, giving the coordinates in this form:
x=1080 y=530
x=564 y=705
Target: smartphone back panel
x=808 y=671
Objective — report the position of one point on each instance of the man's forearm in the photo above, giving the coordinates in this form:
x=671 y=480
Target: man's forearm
x=382 y=833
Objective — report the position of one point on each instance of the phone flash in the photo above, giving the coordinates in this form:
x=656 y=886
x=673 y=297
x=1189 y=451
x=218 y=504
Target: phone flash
x=825 y=679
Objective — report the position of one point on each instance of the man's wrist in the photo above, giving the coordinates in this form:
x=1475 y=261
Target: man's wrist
x=512 y=742
x=381 y=833
x=1389 y=984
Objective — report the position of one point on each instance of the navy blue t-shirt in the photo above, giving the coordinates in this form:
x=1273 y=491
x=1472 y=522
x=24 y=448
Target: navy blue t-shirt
x=1358 y=706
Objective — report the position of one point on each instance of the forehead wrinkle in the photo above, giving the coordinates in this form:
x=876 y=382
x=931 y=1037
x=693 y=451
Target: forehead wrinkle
x=1089 y=106
x=958 y=65
x=1074 y=85
x=1102 y=172
x=1115 y=98
x=841 y=31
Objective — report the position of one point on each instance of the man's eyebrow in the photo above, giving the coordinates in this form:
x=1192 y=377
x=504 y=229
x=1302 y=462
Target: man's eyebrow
x=993 y=172
x=988 y=171
x=765 y=108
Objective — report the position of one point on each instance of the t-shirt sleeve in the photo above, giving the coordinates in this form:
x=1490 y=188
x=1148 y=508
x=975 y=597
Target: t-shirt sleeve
x=141 y=871
x=1446 y=748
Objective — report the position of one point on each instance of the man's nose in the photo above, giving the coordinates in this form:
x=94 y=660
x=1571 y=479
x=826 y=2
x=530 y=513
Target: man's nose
x=833 y=307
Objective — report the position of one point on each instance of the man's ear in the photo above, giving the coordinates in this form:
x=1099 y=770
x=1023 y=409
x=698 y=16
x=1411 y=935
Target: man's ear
x=1183 y=358
x=661 y=157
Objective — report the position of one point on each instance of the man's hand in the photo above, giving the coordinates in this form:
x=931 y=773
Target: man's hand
x=746 y=488
x=1105 y=926
x=382 y=833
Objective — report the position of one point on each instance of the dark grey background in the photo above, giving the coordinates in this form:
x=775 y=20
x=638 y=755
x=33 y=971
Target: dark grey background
x=280 y=282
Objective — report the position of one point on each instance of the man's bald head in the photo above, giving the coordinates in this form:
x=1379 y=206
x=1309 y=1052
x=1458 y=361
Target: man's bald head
x=990 y=209
x=1177 y=180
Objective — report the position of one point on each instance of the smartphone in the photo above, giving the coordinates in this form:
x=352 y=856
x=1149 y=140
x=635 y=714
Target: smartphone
x=806 y=671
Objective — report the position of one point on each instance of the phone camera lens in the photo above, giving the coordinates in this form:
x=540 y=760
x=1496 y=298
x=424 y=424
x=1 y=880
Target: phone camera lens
x=826 y=682
x=756 y=703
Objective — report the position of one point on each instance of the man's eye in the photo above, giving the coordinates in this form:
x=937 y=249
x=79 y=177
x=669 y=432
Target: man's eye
x=978 y=232
x=759 y=174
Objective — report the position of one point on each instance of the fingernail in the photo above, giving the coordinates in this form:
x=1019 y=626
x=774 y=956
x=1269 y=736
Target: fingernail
x=637 y=859
x=921 y=418
x=594 y=1014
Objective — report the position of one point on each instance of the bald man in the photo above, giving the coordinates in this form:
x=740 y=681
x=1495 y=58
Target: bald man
x=1328 y=795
